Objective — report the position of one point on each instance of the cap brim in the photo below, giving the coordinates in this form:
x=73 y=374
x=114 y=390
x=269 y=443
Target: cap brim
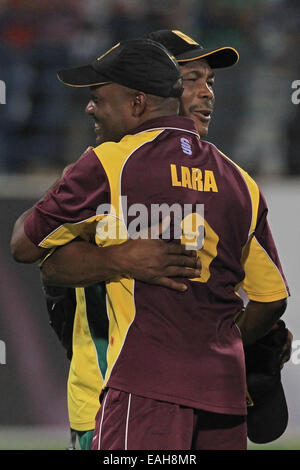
x=81 y=77
x=268 y=419
x=216 y=58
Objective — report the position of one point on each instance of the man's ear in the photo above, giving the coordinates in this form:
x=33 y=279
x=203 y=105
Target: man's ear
x=139 y=103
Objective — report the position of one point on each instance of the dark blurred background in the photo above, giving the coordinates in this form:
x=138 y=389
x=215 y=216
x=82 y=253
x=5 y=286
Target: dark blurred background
x=43 y=127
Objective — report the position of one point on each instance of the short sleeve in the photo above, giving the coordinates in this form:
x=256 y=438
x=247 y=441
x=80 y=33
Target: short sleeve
x=69 y=210
x=264 y=278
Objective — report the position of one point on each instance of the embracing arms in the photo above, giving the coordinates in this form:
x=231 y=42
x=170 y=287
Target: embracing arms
x=81 y=264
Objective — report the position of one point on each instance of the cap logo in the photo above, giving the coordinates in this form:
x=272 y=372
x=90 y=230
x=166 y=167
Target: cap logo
x=107 y=52
x=185 y=37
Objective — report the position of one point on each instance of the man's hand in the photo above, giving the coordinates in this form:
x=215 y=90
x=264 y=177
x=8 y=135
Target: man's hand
x=80 y=264
x=158 y=262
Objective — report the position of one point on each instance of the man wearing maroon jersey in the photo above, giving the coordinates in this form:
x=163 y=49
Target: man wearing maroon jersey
x=205 y=382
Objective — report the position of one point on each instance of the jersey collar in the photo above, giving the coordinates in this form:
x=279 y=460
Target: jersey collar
x=167 y=122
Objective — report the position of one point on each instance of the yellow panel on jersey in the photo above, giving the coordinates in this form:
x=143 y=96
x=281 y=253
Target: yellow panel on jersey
x=263 y=281
x=113 y=158
x=112 y=229
x=67 y=232
x=84 y=376
x=254 y=194
x=120 y=317
x=253 y=190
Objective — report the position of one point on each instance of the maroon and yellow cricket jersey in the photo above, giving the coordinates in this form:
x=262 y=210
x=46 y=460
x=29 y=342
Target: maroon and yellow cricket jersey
x=170 y=346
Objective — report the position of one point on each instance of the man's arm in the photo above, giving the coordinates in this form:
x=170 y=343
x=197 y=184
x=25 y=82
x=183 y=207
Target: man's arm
x=154 y=261
x=258 y=319
x=81 y=263
x=22 y=249
x=147 y=260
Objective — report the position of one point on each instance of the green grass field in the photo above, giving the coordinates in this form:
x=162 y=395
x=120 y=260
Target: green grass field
x=279 y=444
x=58 y=439
x=33 y=438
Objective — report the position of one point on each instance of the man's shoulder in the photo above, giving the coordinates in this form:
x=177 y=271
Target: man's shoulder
x=209 y=146
x=127 y=144
x=225 y=159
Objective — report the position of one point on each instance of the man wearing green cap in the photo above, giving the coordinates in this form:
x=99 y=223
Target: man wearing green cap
x=214 y=407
